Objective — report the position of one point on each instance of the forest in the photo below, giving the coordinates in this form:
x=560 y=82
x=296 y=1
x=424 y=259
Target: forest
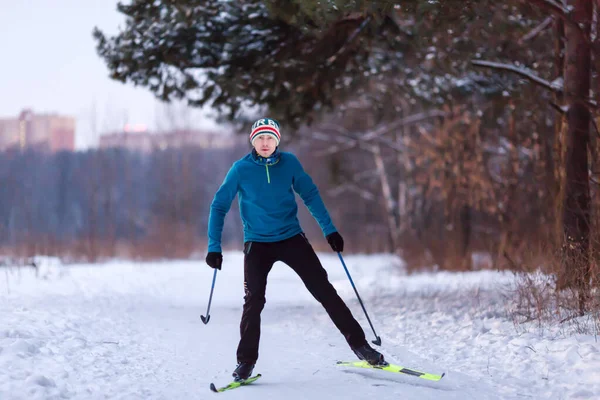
x=460 y=135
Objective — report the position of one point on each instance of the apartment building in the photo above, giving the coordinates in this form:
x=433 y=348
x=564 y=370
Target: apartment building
x=45 y=132
x=144 y=141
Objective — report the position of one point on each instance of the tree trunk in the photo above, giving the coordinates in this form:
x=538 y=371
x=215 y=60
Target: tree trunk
x=555 y=147
x=466 y=221
x=576 y=199
x=390 y=205
x=403 y=165
x=507 y=214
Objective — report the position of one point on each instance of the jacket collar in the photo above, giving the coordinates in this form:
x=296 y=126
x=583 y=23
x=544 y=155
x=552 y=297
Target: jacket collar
x=260 y=160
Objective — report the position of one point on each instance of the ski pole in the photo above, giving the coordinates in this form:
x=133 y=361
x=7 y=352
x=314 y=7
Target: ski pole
x=377 y=340
x=212 y=288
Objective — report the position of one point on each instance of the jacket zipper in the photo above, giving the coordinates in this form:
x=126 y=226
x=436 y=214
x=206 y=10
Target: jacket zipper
x=268 y=177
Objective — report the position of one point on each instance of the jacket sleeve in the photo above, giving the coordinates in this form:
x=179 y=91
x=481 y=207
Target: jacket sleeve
x=305 y=187
x=220 y=207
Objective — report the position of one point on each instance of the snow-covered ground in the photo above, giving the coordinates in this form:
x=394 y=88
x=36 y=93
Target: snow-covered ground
x=133 y=331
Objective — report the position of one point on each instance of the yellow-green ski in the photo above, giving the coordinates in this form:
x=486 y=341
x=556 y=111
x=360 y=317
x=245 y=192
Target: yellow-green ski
x=393 y=368
x=234 y=384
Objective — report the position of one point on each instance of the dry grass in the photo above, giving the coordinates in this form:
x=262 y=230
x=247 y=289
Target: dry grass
x=164 y=241
x=540 y=296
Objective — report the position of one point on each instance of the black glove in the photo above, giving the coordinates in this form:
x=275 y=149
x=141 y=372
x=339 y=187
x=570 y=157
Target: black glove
x=336 y=242
x=214 y=259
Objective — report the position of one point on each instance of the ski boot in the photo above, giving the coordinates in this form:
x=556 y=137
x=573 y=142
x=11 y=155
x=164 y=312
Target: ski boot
x=370 y=355
x=243 y=371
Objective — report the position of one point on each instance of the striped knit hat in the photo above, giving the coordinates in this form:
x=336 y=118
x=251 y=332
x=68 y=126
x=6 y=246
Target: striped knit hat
x=265 y=126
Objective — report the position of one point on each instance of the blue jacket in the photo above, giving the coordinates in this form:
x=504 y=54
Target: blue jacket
x=265 y=189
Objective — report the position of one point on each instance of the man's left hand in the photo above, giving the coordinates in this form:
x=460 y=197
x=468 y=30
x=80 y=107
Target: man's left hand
x=336 y=242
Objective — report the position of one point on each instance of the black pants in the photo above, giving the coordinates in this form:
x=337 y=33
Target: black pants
x=300 y=256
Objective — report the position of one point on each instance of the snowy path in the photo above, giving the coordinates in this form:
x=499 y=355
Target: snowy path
x=126 y=331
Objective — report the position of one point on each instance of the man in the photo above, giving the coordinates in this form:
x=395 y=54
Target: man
x=265 y=181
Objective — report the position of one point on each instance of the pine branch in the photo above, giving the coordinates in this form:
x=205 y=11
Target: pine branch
x=520 y=71
x=410 y=120
x=559 y=11
x=536 y=31
x=561 y=110
x=551 y=5
x=557 y=88
x=344 y=142
x=352 y=187
x=332 y=59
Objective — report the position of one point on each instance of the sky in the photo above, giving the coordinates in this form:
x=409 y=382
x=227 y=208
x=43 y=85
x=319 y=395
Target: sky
x=49 y=64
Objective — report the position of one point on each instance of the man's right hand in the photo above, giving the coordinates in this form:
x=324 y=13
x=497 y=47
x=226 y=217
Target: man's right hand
x=214 y=259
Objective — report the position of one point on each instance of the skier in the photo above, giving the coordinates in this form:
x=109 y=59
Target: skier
x=265 y=181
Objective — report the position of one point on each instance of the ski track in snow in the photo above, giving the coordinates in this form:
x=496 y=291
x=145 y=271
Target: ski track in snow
x=132 y=331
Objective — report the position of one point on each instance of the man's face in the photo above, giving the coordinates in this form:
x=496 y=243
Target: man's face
x=265 y=145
